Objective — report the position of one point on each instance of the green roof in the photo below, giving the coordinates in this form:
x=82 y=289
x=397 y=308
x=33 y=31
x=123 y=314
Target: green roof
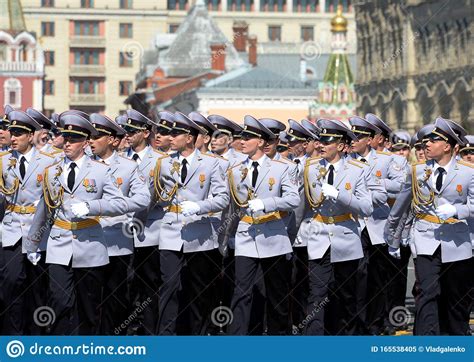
x=338 y=72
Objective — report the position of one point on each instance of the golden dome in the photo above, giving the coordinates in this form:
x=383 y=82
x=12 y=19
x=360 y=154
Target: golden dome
x=339 y=22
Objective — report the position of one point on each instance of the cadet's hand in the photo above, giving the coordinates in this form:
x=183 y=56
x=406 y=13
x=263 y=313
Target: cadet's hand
x=80 y=209
x=189 y=208
x=256 y=205
x=394 y=252
x=404 y=241
x=445 y=211
x=330 y=191
x=33 y=257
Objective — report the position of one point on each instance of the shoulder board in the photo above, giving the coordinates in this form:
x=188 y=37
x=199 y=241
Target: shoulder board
x=100 y=163
x=54 y=164
x=4 y=153
x=279 y=161
x=360 y=165
x=418 y=163
x=159 y=152
x=47 y=154
x=312 y=160
x=237 y=165
x=461 y=162
x=212 y=155
x=384 y=153
x=164 y=156
x=359 y=162
x=288 y=160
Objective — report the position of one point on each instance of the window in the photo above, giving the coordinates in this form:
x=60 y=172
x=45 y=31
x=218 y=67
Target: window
x=307 y=33
x=49 y=87
x=125 y=88
x=126 y=4
x=172 y=28
x=3 y=51
x=126 y=59
x=177 y=4
x=274 y=33
x=126 y=30
x=272 y=5
x=12 y=92
x=87 y=3
x=87 y=57
x=240 y=5
x=49 y=57
x=86 y=86
x=47 y=3
x=86 y=28
x=47 y=28
x=12 y=97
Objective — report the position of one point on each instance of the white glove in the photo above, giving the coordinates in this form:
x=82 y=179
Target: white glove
x=189 y=208
x=404 y=241
x=394 y=252
x=330 y=191
x=33 y=257
x=80 y=209
x=256 y=205
x=445 y=211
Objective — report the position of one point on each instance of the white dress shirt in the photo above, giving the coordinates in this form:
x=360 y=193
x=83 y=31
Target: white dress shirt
x=189 y=159
x=141 y=154
x=250 y=166
x=67 y=167
x=436 y=167
x=336 y=165
x=27 y=157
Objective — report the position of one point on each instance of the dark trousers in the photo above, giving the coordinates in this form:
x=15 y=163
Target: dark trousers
x=116 y=302
x=398 y=273
x=76 y=298
x=276 y=277
x=203 y=272
x=332 y=303
x=145 y=285
x=446 y=282
x=361 y=280
x=378 y=287
x=24 y=290
x=299 y=285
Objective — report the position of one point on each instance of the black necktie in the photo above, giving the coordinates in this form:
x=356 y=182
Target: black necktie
x=184 y=170
x=254 y=173
x=439 y=180
x=22 y=167
x=135 y=157
x=331 y=175
x=71 y=178
x=363 y=160
x=297 y=161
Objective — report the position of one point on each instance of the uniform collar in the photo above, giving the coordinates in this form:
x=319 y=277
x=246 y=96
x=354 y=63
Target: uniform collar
x=337 y=165
x=79 y=162
x=27 y=155
x=189 y=158
x=436 y=165
x=260 y=161
x=107 y=160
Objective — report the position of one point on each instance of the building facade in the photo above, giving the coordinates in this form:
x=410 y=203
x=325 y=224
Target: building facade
x=21 y=60
x=94 y=47
x=415 y=61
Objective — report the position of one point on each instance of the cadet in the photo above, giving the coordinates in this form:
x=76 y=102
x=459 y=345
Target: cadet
x=298 y=139
x=401 y=144
x=162 y=135
x=20 y=189
x=43 y=134
x=223 y=139
x=146 y=259
x=189 y=185
x=5 y=138
x=374 y=269
x=315 y=148
x=76 y=191
x=118 y=237
x=282 y=147
x=466 y=151
x=335 y=192
x=265 y=191
x=441 y=192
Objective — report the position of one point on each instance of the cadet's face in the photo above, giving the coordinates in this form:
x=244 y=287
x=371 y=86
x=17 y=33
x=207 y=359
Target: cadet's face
x=468 y=156
x=405 y=152
x=251 y=145
x=162 y=141
x=329 y=150
x=180 y=141
x=377 y=141
x=297 y=148
x=361 y=144
x=74 y=147
x=310 y=147
x=5 y=137
x=21 y=141
x=420 y=153
x=202 y=140
x=220 y=142
x=100 y=145
x=236 y=144
x=436 y=149
x=270 y=147
x=41 y=137
x=136 y=139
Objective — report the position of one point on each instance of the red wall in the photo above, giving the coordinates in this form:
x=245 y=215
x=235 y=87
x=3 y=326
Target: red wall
x=26 y=91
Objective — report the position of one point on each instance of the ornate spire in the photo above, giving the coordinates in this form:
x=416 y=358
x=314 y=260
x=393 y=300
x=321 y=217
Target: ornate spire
x=339 y=22
x=11 y=16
